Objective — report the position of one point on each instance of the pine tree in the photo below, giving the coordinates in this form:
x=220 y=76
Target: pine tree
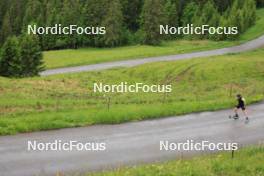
x=224 y=21
x=151 y=18
x=223 y=5
x=16 y=15
x=34 y=13
x=69 y=15
x=10 y=63
x=93 y=14
x=6 y=29
x=209 y=16
x=249 y=13
x=189 y=13
x=171 y=13
x=52 y=17
x=113 y=22
x=3 y=9
x=31 y=56
x=131 y=12
x=235 y=18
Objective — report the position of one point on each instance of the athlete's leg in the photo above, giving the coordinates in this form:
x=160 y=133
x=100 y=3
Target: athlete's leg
x=245 y=112
x=235 y=110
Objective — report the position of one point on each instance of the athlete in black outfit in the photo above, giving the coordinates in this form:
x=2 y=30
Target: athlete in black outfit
x=241 y=105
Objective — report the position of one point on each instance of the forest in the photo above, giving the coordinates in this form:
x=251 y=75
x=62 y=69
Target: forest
x=127 y=22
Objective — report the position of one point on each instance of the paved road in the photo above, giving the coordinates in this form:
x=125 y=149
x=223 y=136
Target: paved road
x=251 y=45
x=126 y=144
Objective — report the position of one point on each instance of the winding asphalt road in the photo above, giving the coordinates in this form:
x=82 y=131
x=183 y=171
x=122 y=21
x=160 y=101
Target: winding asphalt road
x=126 y=144
x=251 y=45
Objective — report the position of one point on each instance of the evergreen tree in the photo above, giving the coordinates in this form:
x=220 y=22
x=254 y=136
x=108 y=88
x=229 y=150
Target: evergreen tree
x=189 y=13
x=3 y=9
x=210 y=16
x=16 y=15
x=151 y=18
x=113 y=22
x=34 y=13
x=249 y=13
x=224 y=21
x=242 y=14
x=171 y=12
x=6 y=29
x=93 y=14
x=223 y=5
x=131 y=12
x=69 y=15
x=52 y=17
x=138 y=22
x=31 y=56
x=10 y=63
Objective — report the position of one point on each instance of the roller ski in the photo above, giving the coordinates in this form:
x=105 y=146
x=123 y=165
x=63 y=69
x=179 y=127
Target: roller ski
x=235 y=117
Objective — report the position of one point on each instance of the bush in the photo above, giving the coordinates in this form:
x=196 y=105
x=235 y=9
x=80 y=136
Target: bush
x=21 y=58
x=10 y=63
x=31 y=56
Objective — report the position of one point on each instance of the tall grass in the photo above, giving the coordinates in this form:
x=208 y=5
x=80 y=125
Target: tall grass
x=247 y=162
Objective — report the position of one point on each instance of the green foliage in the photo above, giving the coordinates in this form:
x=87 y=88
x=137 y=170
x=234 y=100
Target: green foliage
x=223 y=5
x=93 y=14
x=208 y=15
x=256 y=30
x=189 y=13
x=131 y=12
x=171 y=11
x=31 y=56
x=51 y=41
x=113 y=22
x=133 y=23
x=70 y=15
x=151 y=18
x=34 y=13
x=21 y=58
x=6 y=29
x=10 y=63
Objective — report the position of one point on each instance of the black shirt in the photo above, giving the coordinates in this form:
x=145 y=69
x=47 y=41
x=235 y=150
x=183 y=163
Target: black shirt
x=241 y=102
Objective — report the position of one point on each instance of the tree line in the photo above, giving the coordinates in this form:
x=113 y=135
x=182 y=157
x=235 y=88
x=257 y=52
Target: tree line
x=126 y=22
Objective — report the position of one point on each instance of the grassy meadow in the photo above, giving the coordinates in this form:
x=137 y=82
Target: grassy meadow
x=71 y=57
x=247 y=162
x=59 y=101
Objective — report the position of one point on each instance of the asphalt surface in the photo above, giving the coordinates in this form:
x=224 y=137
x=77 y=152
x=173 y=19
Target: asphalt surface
x=127 y=144
x=251 y=45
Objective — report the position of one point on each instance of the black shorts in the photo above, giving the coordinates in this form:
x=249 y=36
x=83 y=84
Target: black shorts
x=241 y=106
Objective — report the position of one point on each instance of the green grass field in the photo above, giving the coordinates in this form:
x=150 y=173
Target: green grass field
x=71 y=57
x=247 y=162
x=86 y=56
x=59 y=101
